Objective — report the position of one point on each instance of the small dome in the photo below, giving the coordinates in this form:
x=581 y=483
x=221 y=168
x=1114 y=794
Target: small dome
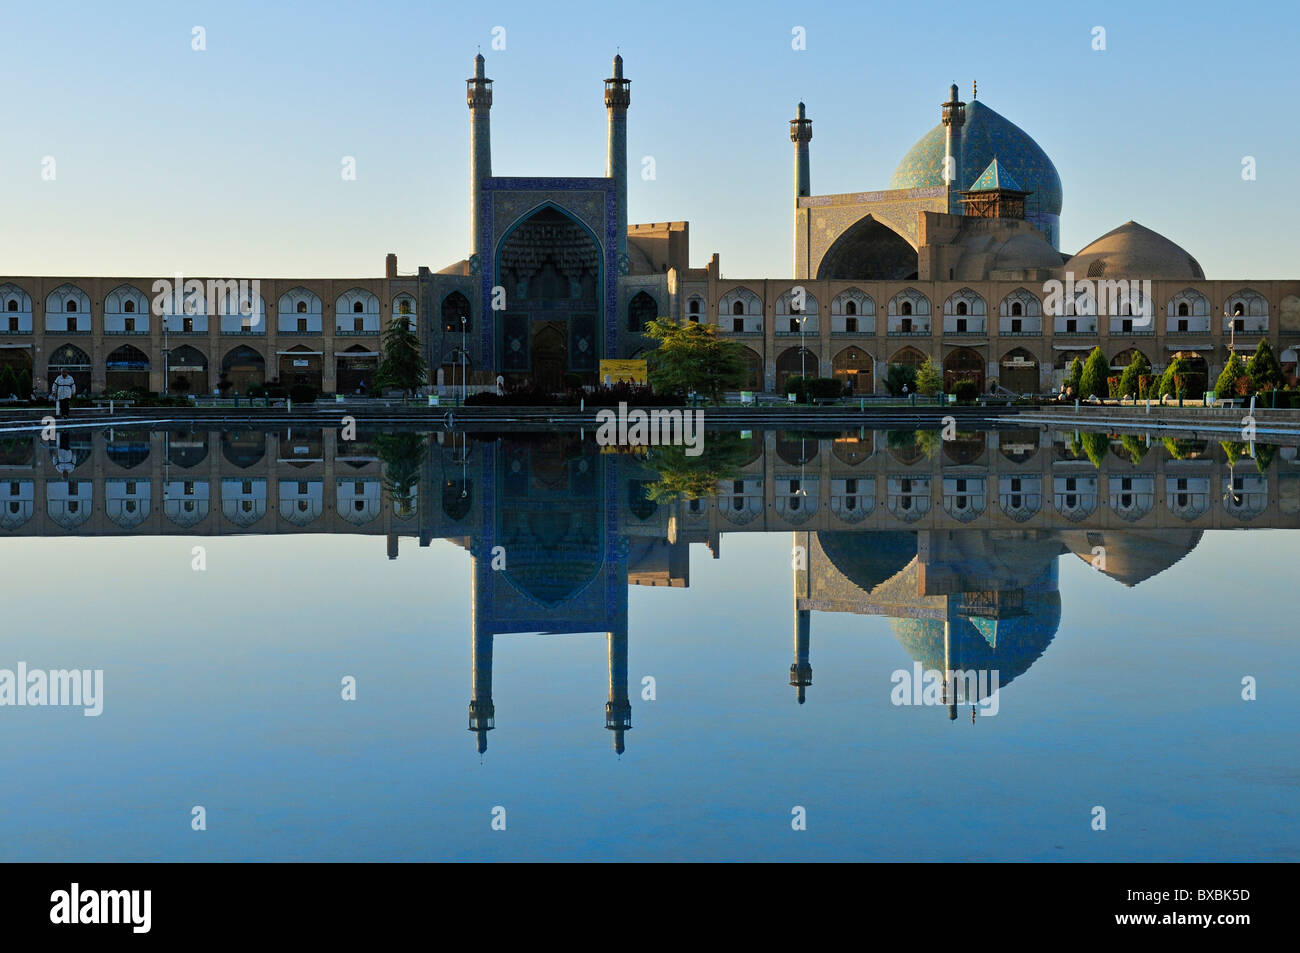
x=1134 y=251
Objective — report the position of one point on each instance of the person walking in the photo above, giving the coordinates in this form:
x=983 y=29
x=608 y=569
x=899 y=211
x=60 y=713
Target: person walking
x=65 y=388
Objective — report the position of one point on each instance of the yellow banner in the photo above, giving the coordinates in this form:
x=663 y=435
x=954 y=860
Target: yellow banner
x=613 y=372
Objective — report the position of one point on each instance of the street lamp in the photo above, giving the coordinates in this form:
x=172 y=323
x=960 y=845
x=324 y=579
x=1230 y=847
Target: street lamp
x=462 y=360
x=167 y=370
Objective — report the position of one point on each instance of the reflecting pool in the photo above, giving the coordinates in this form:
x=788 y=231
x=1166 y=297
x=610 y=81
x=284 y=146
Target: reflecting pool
x=389 y=646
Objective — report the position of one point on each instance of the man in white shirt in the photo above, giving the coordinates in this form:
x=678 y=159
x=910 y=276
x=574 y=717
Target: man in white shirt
x=65 y=388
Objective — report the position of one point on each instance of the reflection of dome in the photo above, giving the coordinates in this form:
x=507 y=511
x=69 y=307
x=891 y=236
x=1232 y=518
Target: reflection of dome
x=1133 y=556
x=1009 y=645
x=987 y=136
x=868 y=559
x=1134 y=251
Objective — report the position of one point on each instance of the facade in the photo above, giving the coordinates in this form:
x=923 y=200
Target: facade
x=953 y=263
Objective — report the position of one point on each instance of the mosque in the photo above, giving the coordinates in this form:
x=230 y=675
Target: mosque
x=949 y=263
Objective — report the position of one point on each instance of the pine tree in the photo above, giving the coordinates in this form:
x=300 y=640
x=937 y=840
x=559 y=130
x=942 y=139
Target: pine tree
x=402 y=367
x=1073 y=376
x=1093 y=381
x=1130 y=381
x=1226 y=386
x=1171 y=380
x=1263 y=369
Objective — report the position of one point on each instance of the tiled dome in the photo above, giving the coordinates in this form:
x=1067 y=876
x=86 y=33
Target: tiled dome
x=987 y=136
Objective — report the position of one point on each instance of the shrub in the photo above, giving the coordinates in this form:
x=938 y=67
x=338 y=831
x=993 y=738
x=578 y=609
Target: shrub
x=1130 y=382
x=966 y=391
x=898 y=376
x=1073 y=376
x=1112 y=386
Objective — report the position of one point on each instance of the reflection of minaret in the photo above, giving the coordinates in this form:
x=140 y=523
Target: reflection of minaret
x=801 y=670
x=947 y=662
x=482 y=713
x=618 y=710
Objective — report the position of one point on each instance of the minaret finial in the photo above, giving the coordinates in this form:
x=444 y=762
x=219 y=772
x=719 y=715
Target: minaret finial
x=975 y=89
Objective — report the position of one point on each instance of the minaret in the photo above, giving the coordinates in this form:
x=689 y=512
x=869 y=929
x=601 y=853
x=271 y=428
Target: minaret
x=618 y=96
x=618 y=710
x=800 y=135
x=482 y=713
x=954 y=117
x=478 y=95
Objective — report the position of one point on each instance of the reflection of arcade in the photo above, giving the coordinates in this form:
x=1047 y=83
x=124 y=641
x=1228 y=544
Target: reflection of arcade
x=550 y=561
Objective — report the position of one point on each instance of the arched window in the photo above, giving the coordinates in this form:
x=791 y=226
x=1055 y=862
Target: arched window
x=456 y=314
x=404 y=307
x=1017 y=309
x=961 y=307
x=738 y=307
x=302 y=307
x=1237 y=309
x=641 y=310
x=1183 y=310
x=128 y=307
x=850 y=307
x=906 y=308
x=72 y=306
x=357 y=308
x=13 y=304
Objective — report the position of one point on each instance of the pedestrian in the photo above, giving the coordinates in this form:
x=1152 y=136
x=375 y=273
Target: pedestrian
x=65 y=388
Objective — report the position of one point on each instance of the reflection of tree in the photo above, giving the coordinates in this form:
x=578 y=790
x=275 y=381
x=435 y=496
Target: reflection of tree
x=1095 y=446
x=1237 y=450
x=1134 y=446
x=402 y=455
x=690 y=478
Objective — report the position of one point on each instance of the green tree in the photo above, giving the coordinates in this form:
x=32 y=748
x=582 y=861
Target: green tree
x=929 y=379
x=402 y=367
x=1233 y=371
x=1073 y=376
x=1263 y=369
x=691 y=357
x=1130 y=382
x=1171 y=381
x=1093 y=381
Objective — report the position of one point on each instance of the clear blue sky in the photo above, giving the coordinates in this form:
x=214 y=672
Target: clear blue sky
x=227 y=161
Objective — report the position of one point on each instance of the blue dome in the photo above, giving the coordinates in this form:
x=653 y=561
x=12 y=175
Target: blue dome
x=987 y=136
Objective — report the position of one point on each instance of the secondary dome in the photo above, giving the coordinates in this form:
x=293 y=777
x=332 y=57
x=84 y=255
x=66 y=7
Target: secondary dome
x=987 y=135
x=1134 y=251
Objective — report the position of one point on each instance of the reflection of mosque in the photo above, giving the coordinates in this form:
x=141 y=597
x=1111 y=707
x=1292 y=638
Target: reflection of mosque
x=957 y=547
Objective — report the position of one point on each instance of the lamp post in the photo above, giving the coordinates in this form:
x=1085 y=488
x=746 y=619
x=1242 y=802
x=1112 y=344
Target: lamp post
x=462 y=360
x=167 y=370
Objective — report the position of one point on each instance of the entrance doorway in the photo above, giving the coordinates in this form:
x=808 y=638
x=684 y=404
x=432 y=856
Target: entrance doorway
x=550 y=354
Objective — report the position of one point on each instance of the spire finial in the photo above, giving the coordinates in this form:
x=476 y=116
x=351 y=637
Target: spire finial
x=975 y=89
